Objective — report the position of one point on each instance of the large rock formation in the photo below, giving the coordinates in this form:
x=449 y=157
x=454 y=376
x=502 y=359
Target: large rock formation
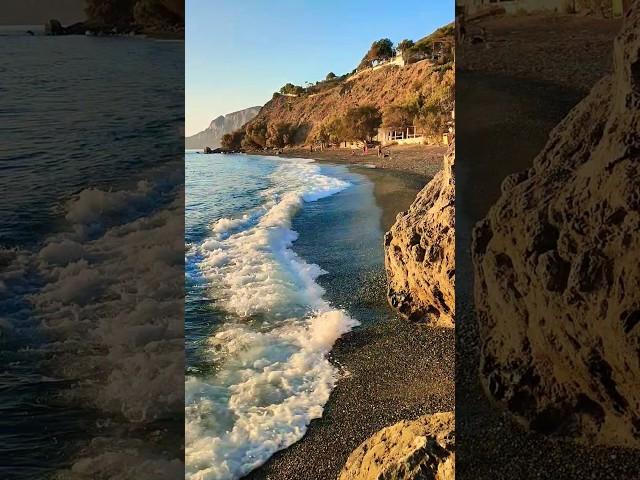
x=423 y=449
x=420 y=252
x=557 y=278
x=210 y=137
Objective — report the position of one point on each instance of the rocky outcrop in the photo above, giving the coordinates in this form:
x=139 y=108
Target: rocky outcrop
x=423 y=449
x=557 y=280
x=54 y=27
x=420 y=252
x=210 y=137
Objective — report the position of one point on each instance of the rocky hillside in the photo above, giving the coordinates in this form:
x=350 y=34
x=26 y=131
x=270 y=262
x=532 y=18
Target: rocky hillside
x=380 y=88
x=556 y=270
x=420 y=252
x=210 y=137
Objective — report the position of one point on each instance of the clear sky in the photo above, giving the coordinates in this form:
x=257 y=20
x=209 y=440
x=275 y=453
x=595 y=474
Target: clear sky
x=238 y=52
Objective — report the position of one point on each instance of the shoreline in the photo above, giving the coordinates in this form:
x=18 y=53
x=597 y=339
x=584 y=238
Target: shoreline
x=390 y=369
x=423 y=160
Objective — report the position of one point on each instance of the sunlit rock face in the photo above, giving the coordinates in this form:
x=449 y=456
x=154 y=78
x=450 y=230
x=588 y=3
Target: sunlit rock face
x=422 y=449
x=420 y=252
x=557 y=280
x=211 y=136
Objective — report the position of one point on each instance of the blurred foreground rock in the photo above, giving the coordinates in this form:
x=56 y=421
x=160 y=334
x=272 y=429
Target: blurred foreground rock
x=557 y=277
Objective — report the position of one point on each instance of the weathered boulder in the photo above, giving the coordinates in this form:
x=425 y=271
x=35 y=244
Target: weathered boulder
x=420 y=252
x=423 y=449
x=557 y=277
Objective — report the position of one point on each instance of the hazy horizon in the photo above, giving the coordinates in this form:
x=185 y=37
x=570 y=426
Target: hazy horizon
x=238 y=54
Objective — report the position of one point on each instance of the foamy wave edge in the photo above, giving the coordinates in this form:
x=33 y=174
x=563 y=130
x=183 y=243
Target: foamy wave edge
x=253 y=270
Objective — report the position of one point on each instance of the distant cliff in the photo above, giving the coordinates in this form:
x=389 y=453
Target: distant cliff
x=210 y=137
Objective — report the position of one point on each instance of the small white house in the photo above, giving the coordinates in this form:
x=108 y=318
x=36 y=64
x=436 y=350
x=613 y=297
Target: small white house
x=399 y=135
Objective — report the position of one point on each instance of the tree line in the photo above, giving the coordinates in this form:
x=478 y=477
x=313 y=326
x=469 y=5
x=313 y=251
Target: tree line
x=357 y=124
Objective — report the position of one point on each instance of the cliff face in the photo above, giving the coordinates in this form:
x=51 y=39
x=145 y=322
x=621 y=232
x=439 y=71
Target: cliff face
x=210 y=137
x=557 y=279
x=420 y=252
x=380 y=88
x=410 y=450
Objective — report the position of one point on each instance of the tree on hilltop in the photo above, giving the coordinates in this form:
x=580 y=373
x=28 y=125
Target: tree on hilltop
x=290 y=88
x=380 y=50
x=405 y=44
x=330 y=76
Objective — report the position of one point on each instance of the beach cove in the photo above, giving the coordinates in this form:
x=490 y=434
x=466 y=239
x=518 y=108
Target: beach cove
x=387 y=368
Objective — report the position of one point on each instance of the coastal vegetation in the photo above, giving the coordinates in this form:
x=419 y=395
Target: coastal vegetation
x=291 y=89
x=351 y=107
x=357 y=124
x=380 y=51
x=233 y=140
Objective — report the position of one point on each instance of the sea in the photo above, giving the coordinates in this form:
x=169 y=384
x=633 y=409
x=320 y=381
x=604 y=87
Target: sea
x=275 y=251
x=91 y=153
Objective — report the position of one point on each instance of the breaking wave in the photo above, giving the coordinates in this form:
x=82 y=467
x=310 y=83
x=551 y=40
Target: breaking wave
x=272 y=374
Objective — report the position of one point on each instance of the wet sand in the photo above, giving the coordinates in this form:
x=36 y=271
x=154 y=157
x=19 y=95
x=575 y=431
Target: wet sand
x=391 y=369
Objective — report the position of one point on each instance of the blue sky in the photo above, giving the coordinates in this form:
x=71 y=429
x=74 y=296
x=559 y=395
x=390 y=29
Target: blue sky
x=238 y=52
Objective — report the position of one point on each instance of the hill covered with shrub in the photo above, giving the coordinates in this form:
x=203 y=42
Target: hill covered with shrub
x=352 y=106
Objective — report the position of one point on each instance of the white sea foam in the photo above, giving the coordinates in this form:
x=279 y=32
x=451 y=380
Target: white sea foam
x=273 y=375
x=112 y=309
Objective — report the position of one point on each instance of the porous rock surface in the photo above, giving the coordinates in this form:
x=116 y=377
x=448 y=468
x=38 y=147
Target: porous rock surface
x=557 y=278
x=420 y=252
x=423 y=449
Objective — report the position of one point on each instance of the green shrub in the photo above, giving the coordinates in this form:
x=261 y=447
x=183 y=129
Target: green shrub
x=280 y=134
x=233 y=140
x=361 y=123
x=380 y=50
x=290 y=88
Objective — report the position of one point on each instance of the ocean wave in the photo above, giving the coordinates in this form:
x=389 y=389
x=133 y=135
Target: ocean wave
x=105 y=296
x=273 y=376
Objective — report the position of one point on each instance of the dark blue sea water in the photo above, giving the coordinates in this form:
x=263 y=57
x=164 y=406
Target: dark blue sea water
x=81 y=119
x=276 y=251
x=73 y=112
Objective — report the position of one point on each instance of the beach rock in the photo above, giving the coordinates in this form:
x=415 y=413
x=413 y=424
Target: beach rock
x=54 y=27
x=423 y=449
x=420 y=252
x=557 y=278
